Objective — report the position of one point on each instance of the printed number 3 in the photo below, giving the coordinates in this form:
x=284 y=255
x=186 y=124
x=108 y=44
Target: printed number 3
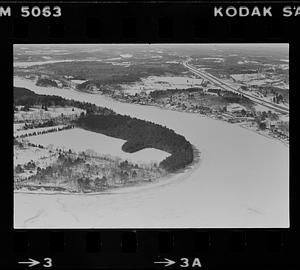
x=185 y=262
x=48 y=262
x=57 y=11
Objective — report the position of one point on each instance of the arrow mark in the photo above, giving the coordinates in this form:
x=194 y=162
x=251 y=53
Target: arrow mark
x=167 y=261
x=31 y=262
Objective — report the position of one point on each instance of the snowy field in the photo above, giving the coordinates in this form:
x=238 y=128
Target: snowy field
x=214 y=59
x=152 y=83
x=259 y=80
x=248 y=77
x=18 y=126
x=241 y=181
x=26 y=64
x=126 y=55
x=247 y=62
x=124 y=64
x=78 y=81
x=80 y=140
x=260 y=108
x=22 y=156
x=32 y=63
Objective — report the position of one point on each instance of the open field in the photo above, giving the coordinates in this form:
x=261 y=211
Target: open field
x=260 y=79
x=80 y=140
x=18 y=126
x=25 y=155
x=153 y=83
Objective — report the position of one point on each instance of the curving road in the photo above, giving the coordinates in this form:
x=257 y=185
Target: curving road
x=242 y=180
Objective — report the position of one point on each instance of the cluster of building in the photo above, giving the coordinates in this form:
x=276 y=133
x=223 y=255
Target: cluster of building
x=232 y=113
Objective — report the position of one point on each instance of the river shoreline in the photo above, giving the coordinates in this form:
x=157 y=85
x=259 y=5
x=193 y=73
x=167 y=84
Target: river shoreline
x=238 y=169
x=109 y=98
x=164 y=180
x=209 y=117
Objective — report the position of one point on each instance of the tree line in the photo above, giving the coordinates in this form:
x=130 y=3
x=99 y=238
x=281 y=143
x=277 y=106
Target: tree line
x=169 y=92
x=27 y=98
x=55 y=129
x=141 y=134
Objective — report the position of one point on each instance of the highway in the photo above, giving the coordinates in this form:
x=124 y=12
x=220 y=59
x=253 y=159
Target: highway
x=225 y=86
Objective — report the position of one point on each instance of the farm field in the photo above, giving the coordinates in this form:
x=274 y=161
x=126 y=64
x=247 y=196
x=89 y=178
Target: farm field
x=80 y=140
x=153 y=83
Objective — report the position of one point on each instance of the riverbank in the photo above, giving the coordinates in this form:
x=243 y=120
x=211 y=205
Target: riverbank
x=241 y=124
x=242 y=182
x=135 y=187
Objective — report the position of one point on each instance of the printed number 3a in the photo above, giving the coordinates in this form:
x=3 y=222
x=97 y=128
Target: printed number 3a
x=48 y=262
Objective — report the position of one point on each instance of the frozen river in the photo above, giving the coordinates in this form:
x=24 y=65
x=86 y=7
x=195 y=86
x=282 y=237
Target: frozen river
x=241 y=181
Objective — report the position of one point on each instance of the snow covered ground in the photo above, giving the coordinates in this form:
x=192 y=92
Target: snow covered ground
x=152 y=83
x=260 y=108
x=32 y=63
x=37 y=113
x=38 y=155
x=247 y=62
x=80 y=140
x=78 y=81
x=18 y=126
x=26 y=64
x=241 y=181
x=126 y=55
x=248 y=77
x=214 y=59
x=259 y=80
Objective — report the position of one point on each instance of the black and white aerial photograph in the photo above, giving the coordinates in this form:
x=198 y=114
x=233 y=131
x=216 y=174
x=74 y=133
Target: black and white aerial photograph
x=151 y=135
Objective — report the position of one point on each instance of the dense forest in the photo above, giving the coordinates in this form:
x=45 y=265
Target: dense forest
x=141 y=134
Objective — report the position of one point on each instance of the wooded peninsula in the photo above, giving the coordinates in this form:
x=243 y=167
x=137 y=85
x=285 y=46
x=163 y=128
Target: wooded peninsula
x=139 y=134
